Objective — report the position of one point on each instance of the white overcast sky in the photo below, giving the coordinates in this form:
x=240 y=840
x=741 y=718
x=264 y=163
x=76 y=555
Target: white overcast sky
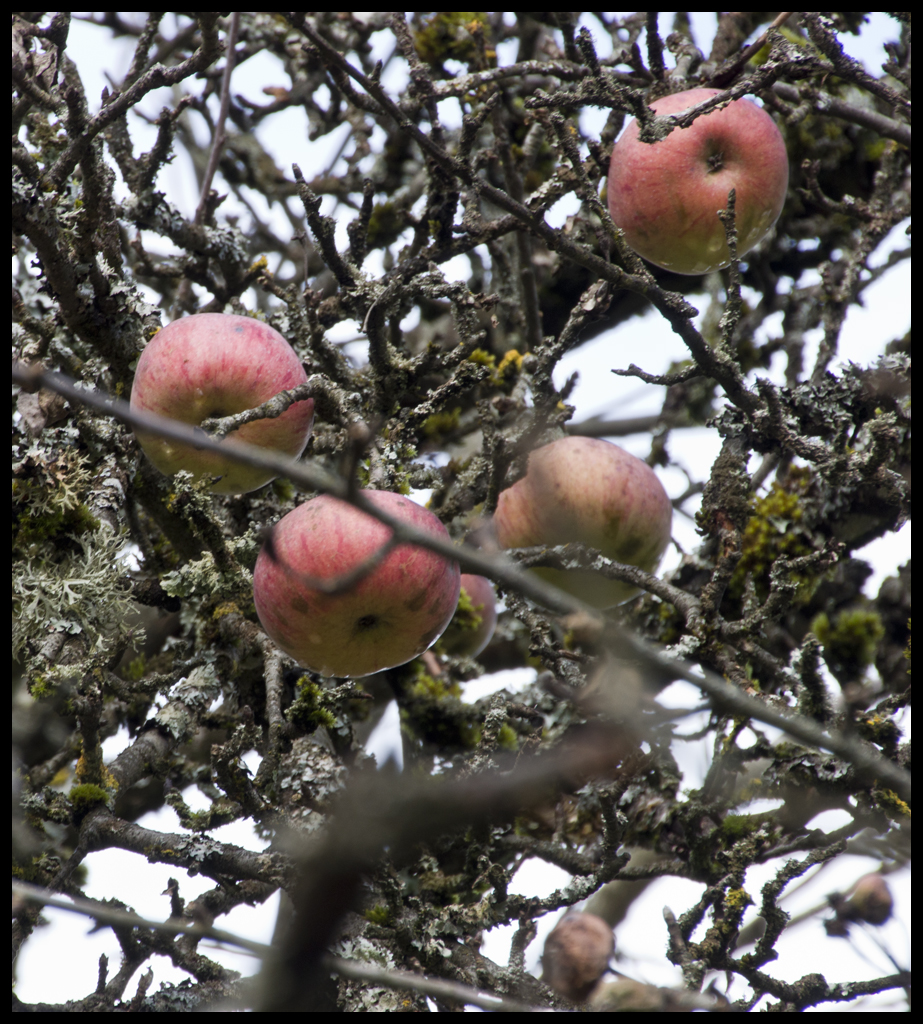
x=67 y=944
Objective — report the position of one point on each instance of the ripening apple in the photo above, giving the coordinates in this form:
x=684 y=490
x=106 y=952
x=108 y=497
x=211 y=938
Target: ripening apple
x=389 y=616
x=588 y=491
x=213 y=364
x=871 y=900
x=577 y=953
x=473 y=623
x=666 y=195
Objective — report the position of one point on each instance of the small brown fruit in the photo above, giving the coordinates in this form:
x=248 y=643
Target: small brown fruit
x=576 y=955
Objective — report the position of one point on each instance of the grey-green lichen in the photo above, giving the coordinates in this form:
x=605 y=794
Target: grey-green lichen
x=66 y=576
x=202 y=578
x=80 y=593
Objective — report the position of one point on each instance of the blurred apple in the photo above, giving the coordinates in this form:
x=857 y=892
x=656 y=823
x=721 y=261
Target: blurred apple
x=387 y=617
x=871 y=900
x=666 y=195
x=212 y=364
x=588 y=491
x=576 y=955
x=474 y=620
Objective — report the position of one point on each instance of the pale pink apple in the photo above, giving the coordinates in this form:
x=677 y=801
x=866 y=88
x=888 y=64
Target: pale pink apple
x=212 y=365
x=666 y=195
x=588 y=491
x=871 y=900
x=473 y=623
x=386 y=618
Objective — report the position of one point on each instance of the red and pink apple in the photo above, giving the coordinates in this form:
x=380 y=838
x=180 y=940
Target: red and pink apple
x=666 y=195
x=473 y=623
x=386 y=618
x=212 y=365
x=588 y=491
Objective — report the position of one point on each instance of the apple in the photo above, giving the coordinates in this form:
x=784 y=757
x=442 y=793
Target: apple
x=665 y=195
x=213 y=364
x=389 y=616
x=577 y=954
x=588 y=491
x=871 y=900
x=473 y=623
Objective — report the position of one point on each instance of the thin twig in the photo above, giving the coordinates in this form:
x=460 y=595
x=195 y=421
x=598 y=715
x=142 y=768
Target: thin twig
x=727 y=72
x=220 y=135
x=120 y=918
x=823 y=103
x=674 y=308
x=435 y=987
x=867 y=761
